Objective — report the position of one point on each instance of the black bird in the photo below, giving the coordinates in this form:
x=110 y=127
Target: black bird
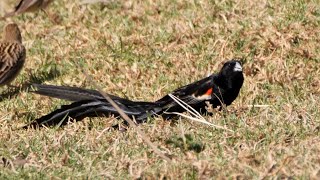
x=222 y=87
x=218 y=89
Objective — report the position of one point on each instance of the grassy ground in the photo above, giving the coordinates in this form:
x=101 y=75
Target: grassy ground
x=145 y=49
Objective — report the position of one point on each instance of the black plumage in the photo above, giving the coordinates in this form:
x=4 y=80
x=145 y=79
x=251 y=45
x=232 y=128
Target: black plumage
x=218 y=89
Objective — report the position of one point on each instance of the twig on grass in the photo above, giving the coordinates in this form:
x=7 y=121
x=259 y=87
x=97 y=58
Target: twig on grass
x=192 y=111
x=127 y=118
x=185 y=106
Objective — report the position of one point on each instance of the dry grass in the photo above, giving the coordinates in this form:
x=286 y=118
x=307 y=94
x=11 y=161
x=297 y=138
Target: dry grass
x=145 y=49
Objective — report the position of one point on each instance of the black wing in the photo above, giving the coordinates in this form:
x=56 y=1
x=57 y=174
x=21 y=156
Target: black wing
x=192 y=94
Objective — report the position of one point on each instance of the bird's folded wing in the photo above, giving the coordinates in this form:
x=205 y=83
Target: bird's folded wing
x=12 y=56
x=191 y=94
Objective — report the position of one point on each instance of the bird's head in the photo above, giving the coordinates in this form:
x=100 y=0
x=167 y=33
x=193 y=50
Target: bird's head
x=12 y=33
x=231 y=67
x=232 y=73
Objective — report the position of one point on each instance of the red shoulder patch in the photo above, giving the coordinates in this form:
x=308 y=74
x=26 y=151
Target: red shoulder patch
x=209 y=91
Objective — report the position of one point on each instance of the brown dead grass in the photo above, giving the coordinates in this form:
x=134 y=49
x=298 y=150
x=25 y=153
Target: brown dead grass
x=145 y=49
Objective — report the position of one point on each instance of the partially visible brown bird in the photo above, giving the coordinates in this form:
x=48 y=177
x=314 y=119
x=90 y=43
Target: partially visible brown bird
x=28 y=6
x=12 y=54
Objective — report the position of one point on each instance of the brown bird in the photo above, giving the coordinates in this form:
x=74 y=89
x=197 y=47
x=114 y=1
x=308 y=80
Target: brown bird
x=12 y=54
x=28 y=6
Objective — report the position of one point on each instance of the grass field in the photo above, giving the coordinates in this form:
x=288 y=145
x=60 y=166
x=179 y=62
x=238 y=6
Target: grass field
x=145 y=49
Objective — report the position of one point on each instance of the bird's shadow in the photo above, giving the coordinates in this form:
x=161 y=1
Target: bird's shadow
x=34 y=77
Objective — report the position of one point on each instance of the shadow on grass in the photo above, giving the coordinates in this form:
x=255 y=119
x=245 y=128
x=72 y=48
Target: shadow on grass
x=38 y=77
x=187 y=143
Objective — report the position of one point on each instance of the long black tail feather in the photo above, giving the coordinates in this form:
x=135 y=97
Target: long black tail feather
x=68 y=93
x=96 y=108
